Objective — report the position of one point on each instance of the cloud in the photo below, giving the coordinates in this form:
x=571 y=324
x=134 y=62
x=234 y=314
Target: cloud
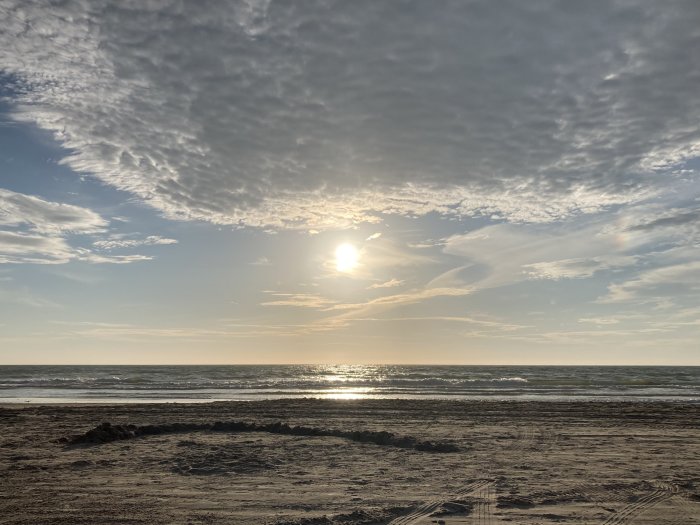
x=298 y=300
x=601 y=321
x=357 y=311
x=339 y=315
x=374 y=236
x=115 y=243
x=41 y=227
x=636 y=238
x=388 y=284
x=39 y=249
x=504 y=254
x=22 y=248
x=45 y=216
x=119 y=331
x=261 y=261
x=87 y=256
x=128 y=331
x=575 y=268
x=488 y=324
x=670 y=218
x=320 y=115
x=668 y=281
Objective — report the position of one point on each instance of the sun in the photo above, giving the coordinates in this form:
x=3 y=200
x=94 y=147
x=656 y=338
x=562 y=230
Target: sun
x=346 y=258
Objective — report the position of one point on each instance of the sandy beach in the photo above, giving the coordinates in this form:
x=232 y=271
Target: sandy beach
x=351 y=462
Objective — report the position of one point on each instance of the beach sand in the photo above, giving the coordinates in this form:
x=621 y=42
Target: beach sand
x=518 y=462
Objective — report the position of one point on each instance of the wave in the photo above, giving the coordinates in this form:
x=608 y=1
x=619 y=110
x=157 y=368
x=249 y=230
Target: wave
x=243 y=382
x=289 y=384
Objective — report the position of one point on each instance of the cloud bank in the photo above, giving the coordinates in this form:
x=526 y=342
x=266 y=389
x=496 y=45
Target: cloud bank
x=325 y=114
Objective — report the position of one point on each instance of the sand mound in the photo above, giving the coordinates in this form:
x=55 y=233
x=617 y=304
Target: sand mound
x=107 y=433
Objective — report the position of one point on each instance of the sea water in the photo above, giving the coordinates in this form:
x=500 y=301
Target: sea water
x=85 y=384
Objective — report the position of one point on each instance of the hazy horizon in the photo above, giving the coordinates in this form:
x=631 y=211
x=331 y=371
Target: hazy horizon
x=263 y=182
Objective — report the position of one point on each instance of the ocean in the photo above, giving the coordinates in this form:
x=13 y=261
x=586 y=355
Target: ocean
x=144 y=384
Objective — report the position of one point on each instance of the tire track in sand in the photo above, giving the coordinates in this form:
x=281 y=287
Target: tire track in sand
x=424 y=510
x=532 y=438
x=663 y=491
x=525 y=437
x=587 y=492
x=482 y=514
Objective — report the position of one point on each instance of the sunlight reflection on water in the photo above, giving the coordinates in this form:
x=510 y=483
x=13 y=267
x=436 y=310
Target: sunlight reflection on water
x=346 y=393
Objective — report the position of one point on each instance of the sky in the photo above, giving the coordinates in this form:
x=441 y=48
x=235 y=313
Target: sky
x=399 y=181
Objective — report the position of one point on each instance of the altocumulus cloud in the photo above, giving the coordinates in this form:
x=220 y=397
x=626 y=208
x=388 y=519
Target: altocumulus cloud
x=325 y=114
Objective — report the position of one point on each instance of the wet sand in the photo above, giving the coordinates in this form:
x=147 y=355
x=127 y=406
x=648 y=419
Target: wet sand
x=518 y=462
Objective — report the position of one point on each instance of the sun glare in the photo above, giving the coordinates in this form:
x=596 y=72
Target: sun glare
x=346 y=257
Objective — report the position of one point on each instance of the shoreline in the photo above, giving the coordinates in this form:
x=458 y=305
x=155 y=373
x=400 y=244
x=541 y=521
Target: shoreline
x=544 y=401
x=514 y=398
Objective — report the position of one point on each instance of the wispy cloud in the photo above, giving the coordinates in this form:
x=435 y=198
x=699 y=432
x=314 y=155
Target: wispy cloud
x=504 y=254
x=670 y=218
x=298 y=300
x=369 y=309
x=90 y=257
x=127 y=331
x=261 y=261
x=668 y=281
x=387 y=284
x=47 y=217
x=116 y=243
x=21 y=247
x=576 y=268
x=38 y=231
x=601 y=321
x=484 y=323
